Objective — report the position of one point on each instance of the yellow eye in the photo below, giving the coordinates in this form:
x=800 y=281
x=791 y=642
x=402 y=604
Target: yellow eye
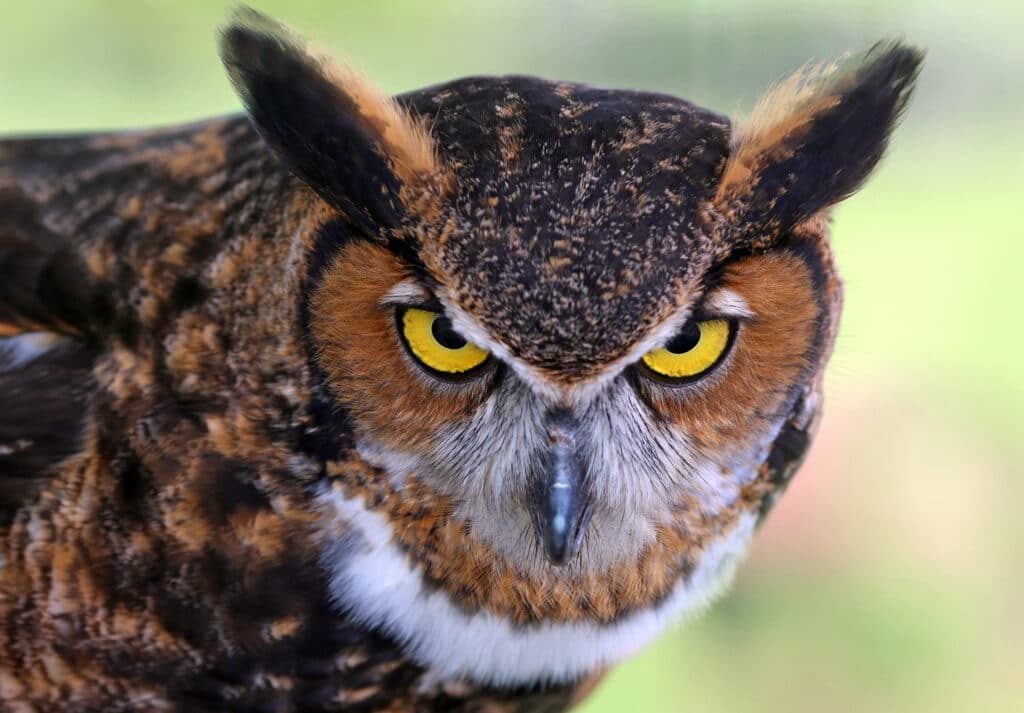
x=693 y=350
x=434 y=342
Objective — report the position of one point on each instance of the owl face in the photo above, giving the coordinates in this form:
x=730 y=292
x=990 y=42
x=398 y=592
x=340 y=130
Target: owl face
x=578 y=335
x=583 y=472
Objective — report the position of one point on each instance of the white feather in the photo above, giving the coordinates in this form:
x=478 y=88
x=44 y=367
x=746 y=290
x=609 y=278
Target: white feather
x=374 y=581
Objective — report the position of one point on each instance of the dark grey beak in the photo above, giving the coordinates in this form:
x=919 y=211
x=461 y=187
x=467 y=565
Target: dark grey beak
x=559 y=503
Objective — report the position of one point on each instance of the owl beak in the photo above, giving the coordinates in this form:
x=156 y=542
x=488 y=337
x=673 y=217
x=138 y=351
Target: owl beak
x=559 y=503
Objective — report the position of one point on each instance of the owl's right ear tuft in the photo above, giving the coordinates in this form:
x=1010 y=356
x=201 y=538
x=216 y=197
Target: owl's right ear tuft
x=353 y=145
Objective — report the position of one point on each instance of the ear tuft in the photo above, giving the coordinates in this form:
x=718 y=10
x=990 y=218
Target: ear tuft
x=351 y=143
x=813 y=139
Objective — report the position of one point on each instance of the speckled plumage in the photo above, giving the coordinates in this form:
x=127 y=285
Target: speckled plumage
x=222 y=473
x=600 y=203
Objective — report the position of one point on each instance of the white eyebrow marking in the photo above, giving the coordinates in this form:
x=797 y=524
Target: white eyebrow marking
x=406 y=292
x=728 y=303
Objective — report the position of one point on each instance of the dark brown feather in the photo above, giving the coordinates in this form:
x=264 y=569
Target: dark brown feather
x=44 y=405
x=43 y=283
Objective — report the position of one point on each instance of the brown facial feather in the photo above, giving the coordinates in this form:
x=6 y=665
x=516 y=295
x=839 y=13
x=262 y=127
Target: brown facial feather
x=367 y=368
x=772 y=354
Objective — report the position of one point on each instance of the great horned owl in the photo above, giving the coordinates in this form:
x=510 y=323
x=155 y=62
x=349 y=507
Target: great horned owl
x=442 y=402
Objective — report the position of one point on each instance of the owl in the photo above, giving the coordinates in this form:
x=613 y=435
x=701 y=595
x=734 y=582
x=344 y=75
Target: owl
x=442 y=402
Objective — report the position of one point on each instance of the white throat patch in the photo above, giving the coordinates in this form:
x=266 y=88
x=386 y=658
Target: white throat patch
x=373 y=581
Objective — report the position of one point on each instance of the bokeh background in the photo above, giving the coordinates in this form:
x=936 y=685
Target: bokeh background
x=890 y=578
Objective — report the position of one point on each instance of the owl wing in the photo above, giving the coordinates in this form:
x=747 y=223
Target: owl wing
x=59 y=204
x=45 y=382
x=80 y=214
x=49 y=190
x=44 y=298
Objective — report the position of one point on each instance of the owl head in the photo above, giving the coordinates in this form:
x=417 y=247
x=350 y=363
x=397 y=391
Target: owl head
x=577 y=336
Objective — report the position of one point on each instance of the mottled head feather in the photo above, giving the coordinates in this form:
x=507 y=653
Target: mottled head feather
x=814 y=138
x=575 y=217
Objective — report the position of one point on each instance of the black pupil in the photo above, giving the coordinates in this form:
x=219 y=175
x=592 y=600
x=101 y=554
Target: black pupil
x=685 y=340
x=447 y=337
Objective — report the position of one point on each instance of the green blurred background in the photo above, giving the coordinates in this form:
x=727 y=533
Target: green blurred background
x=890 y=577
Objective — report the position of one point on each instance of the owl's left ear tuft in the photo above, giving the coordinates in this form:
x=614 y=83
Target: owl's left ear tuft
x=352 y=144
x=813 y=139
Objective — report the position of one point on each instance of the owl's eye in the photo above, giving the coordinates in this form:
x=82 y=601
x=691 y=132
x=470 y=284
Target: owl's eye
x=435 y=343
x=694 y=349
